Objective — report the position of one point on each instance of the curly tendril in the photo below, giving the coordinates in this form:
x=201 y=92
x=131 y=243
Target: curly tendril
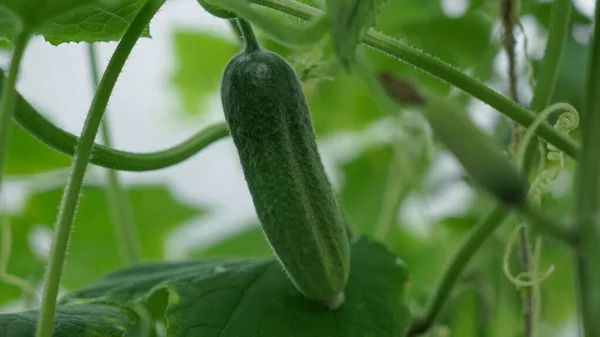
x=567 y=122
x=523 y=279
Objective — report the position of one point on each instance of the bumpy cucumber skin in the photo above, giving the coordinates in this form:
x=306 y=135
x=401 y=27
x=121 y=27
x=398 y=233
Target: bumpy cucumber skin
x=270 y=124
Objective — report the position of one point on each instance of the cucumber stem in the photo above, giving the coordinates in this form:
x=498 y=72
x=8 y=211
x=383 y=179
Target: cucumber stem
x=250 y=41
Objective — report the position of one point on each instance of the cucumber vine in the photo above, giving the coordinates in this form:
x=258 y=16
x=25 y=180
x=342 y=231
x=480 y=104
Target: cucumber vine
x=268 y=120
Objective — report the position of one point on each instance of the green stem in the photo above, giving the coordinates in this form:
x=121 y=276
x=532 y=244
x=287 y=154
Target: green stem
x=547 y=73
x=84 y=150
x=587 y=188
x=236 y=30
x=441 y=70
x=119 y=203
x=457 y=264
x=121 y=209
x=250 y=41
x=546 y=225
x=65 y=142
x=9 y=94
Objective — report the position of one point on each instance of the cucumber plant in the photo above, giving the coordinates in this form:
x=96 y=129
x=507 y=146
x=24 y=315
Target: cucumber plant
x=337 y=261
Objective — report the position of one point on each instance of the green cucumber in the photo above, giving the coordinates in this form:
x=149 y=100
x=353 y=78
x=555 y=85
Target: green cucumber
x=480 y=157
x=270 y=124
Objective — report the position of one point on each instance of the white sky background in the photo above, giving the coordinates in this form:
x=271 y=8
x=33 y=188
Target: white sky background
x=144 y=116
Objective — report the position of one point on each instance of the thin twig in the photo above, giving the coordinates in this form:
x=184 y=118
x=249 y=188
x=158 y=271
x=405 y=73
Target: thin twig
x=509 y=17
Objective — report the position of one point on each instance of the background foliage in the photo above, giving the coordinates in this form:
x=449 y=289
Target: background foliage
x=344 y=112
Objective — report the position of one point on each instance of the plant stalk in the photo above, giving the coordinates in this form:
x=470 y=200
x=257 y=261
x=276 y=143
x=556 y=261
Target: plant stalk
x=587 y=198
x=250 y=41
x=119 y=203
x=9 y=93
x=70 y=198
x=457 y=264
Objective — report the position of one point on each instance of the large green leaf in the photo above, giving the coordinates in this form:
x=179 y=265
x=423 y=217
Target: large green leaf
x=69 y=20
x=73 y=321
x=255 y=297
x=35 y=12
x=201 y=58
x=93 y=250
x=103 y=21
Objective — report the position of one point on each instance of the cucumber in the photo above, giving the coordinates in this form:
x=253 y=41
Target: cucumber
x=269 y=121
x=480 y=157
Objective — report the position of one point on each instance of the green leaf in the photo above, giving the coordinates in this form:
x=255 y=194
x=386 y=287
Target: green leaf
x=101 y=22
x=364 y=187
x=69 y=20
x=27 y=155
x=93 y=250
x=350 y=20
x=343 y=104
x=73 y=321
x=201 y=58
x=32 y=13
x=250 y=242
x=572 y=74
x=255 y=297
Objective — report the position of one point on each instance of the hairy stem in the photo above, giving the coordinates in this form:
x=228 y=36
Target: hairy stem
x=70 y=198
x=236 y=30
x=587 y=189
x=9 y=93
x=441 y=70
x=65 y=142
x=250 y=41
x=119 y=203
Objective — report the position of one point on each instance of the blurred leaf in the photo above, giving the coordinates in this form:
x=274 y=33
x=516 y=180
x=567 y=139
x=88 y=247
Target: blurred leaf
x=466 y=315
x=541 y=11
x=93 y=250
x=572 y=75
x=255 y=297
x=250 y=242
x=70 y=20
x=342 y=104
x=27 y=155
x=350 y=19
x=558 y=306
x=363 y=188
x=73 y=321
x=201 y=59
